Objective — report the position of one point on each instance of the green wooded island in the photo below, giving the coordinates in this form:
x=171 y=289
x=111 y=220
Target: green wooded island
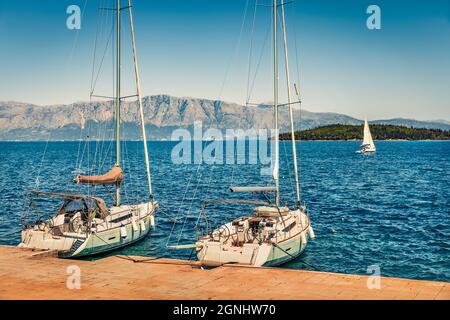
x=379 y=132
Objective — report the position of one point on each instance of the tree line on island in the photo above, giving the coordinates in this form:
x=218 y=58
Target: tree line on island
x=379 y=132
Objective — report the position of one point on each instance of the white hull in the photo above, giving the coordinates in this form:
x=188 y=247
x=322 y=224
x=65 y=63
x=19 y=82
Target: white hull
x=366 y=150
x=125 y=224
x=280 y=249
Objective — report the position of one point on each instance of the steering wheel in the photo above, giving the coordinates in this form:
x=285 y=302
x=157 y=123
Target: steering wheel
x=40 y=225
x=76 y=224
x=222 y=232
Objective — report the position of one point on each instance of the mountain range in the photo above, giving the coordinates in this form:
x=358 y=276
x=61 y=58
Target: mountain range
x=163 y=114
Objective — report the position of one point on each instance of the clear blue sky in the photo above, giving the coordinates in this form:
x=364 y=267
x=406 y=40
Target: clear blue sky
x=189 y=48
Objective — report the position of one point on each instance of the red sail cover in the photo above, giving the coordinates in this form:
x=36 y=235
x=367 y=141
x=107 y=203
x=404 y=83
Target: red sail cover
x=115 y=175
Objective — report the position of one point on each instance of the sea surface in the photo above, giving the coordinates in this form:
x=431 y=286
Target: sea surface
x=389 y=210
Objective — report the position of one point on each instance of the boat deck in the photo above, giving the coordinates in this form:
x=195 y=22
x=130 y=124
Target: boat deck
x=121 y=277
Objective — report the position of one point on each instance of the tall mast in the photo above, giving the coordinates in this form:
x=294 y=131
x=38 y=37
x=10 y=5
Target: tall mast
x=291 y=115
x=118 y=100
x=141 y=109
x=275 y=104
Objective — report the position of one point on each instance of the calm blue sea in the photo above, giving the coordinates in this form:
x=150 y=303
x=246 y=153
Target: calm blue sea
x=390 y=209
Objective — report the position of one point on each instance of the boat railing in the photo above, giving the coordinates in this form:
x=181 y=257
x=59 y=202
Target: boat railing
x=206 y=203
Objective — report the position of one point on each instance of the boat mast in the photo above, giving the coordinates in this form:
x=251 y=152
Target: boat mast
x=275 y=104
x=291 y=115
x=141 y=109
x=118 y=100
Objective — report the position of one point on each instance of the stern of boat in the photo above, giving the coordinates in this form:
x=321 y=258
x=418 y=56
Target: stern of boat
x=43 y=239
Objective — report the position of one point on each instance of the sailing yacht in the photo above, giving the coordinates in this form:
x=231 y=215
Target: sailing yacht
x=83 y=224
x=367 y=145
x=274 y=233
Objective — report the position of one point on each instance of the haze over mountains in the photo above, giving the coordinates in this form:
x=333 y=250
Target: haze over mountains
x=163 y=114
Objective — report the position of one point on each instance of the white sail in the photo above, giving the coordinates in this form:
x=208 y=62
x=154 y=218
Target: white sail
x=367 y=143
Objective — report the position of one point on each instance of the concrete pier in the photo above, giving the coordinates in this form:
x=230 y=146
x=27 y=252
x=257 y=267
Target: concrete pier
x=26 y=274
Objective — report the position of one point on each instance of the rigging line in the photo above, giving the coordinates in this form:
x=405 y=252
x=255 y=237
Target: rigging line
x=219 y=97
x=101 y=61
x=251 y=51
x=97 y=142
x=92 y=89
x=199 y=177
x=164 y=212
x=100 y=143
x=98 y=29
x=135 y=165
x=130 y=181
x=182 y=201
x=95 y=49
x=109 y=138
x=79 y=165
x=107 y=152
x=126 y=165
x=259 y=61
x=200 y=162
x=209 y=183
x=247 y=91
x=102 y=127
x=79 y=147
x=69 y=60
x=77 y=33
x=296 y=50
x=37 y=182
x=253 y=83
x=236 y=49
x=233 y=171
x=189 y=210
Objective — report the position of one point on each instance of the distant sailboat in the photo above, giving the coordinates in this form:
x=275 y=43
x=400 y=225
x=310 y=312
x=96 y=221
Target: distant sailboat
x=367 y=145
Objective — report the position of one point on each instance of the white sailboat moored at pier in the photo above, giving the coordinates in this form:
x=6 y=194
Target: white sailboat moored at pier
x=83 y=224
x=272 y=233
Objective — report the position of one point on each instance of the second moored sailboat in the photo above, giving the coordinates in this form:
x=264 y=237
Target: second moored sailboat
x=274 y=234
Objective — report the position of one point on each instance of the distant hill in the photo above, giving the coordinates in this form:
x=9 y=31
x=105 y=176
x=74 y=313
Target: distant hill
x=163 y=114
x=379 y=132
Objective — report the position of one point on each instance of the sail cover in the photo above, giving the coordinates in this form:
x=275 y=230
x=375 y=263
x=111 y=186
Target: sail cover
x=114 y=176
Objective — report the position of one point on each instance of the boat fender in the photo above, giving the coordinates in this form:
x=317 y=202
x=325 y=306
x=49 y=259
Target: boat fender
x=123 y=232
x=142 y=224
x=134 y=224
x=311 y=233
x=303 y=237
x=152 y=220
